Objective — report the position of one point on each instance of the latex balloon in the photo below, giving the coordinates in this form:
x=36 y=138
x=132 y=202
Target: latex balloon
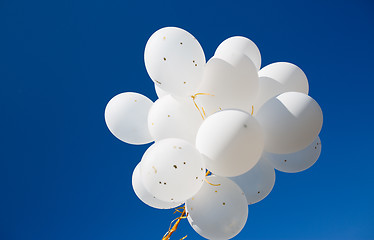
x=228 y=86
x=291 y=121
x=218 y=212
x=297 y=161
x=172 y=170
x=126 y=117
x=258 y=182
x=239 y=45
x=160 y=92
x=142 y=193
x=231 y=142
x=278 y=78
x=173 y=118
x=174 y=60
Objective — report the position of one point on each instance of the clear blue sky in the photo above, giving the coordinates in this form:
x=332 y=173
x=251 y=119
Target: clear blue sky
x=64 y=176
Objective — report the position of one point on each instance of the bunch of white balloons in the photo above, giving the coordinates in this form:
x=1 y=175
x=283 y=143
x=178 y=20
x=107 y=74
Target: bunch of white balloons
x=226 y=116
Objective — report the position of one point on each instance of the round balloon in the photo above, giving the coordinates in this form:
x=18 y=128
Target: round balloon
x=126 y=117
x=174 y=118
x=218 y=212
x=297 y=161
x=258 y=182
x=227 y=86
x=172 y=170
x=239 y=45
x=231 y=142
x=291 y=121
x=174 y=60
x=280 y=77
x=147 y=198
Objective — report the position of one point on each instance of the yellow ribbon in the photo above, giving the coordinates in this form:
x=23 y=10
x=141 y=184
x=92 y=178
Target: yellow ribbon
x=203 y=115
x=173 y=228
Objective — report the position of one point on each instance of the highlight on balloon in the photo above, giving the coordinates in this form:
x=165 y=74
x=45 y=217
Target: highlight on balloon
x=220 y=130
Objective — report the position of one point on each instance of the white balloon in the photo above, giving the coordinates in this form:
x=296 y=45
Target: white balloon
x=280 y=77
x=231 y=142
x=172 y=170
x=228 y=86
x=297 y=161
x=142 y=193
x=218 y=212
x=174 y=60
x=239 y=45
x=258 y=182
x=174 y=118
x=291 y=121
x=160 y=92
x=126 y=116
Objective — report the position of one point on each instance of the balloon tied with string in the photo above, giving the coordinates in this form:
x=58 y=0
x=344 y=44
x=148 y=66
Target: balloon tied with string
x=220 y=129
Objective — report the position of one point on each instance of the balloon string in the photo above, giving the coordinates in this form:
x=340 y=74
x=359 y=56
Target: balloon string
x=193 y=99
x=178 y=210
x=216 y=185
x=196 y=94
x=183 y=215
x=203 y=114
x=206 y=174
x=176 y=222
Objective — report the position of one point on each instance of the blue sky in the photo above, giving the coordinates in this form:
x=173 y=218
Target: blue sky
x=64 y=176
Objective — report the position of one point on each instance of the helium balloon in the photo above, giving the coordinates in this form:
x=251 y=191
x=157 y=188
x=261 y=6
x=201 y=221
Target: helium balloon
x=172 y=170
x=126 y=117
x=231 y=142
x=258 y=182
x=239 y=45
x=173 y=118
x=291 y=121
x=297 y=161
x=160 y=93
x=142 y=193
x=218 y=212
x=278 y=78
x=226 y=116
x=227 y=86
x=175 y=61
